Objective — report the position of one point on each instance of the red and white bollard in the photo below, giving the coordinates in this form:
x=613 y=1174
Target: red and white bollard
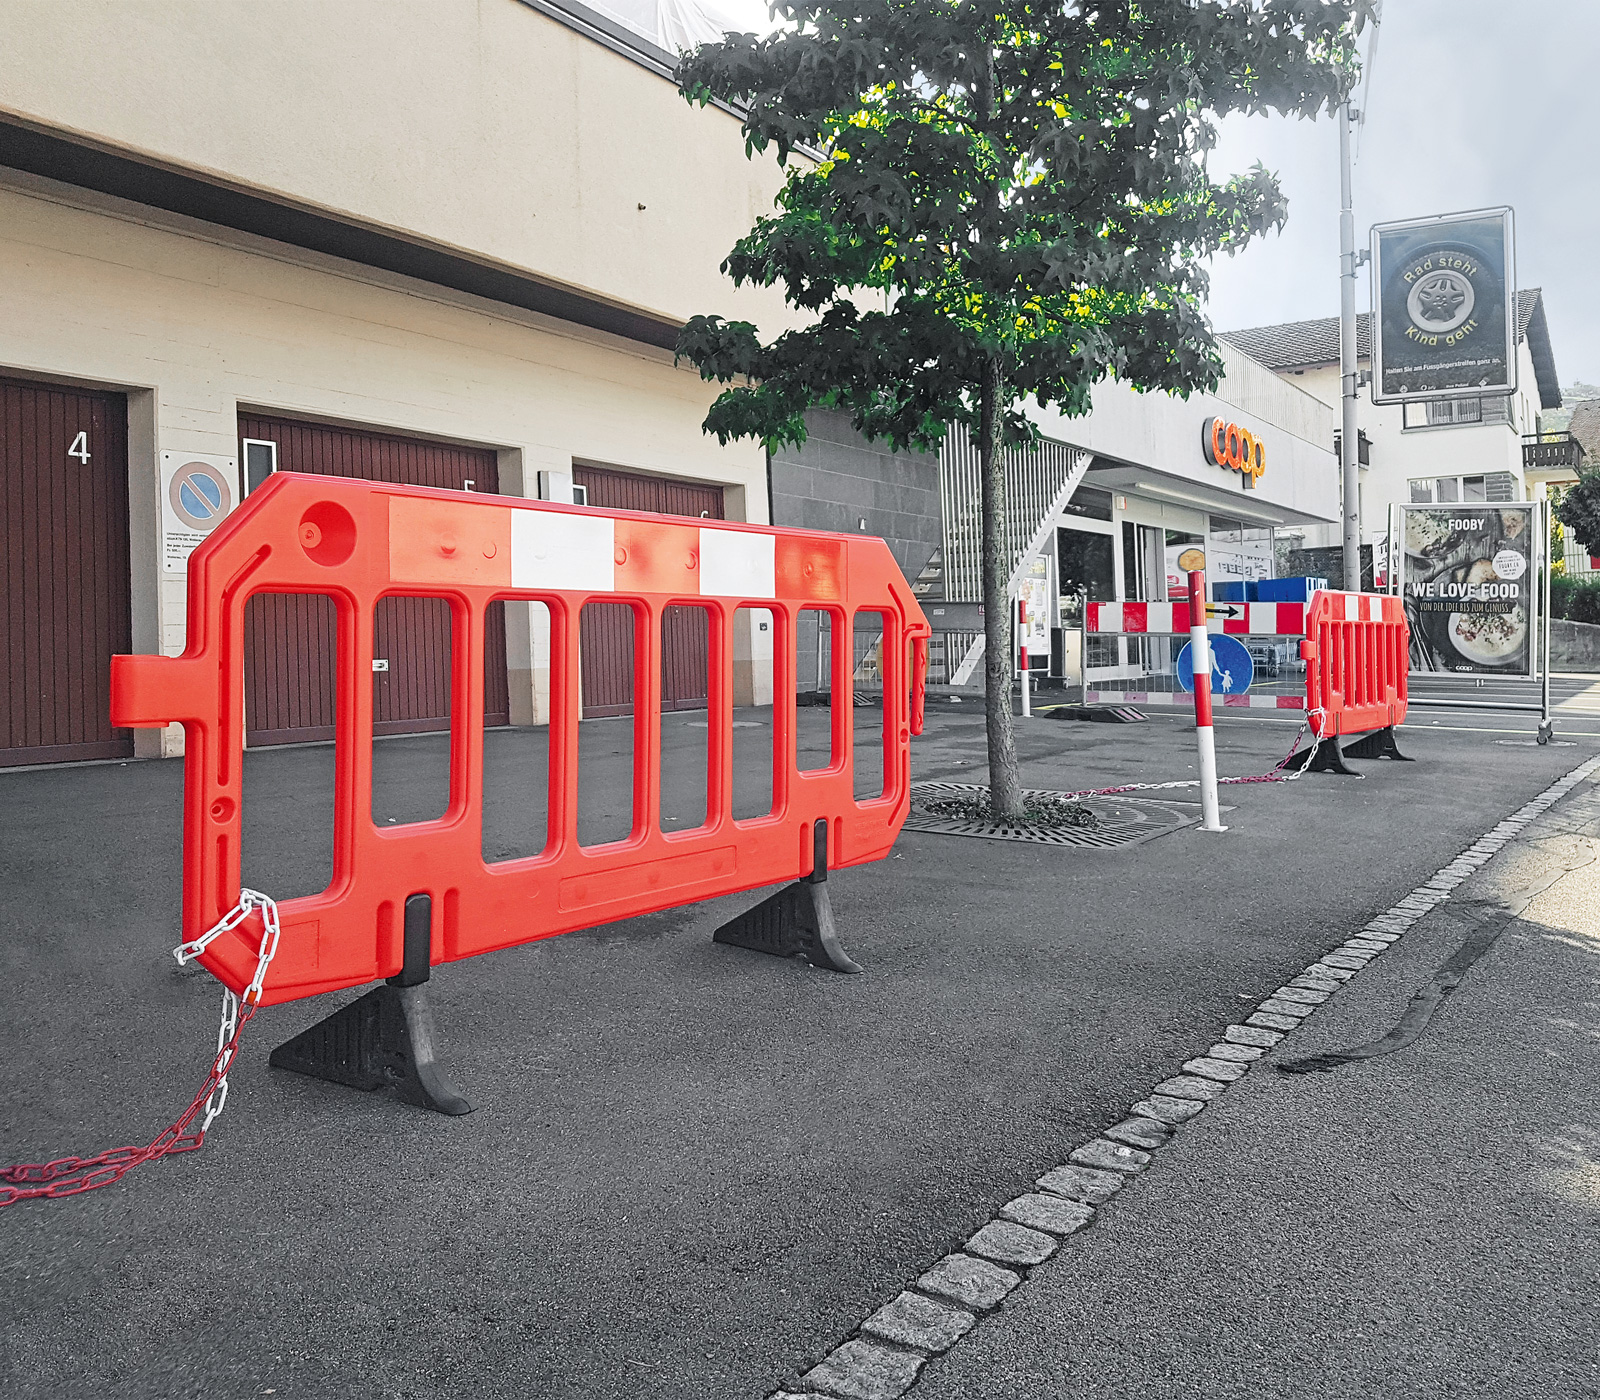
x=1200 y=651
x=1022 y=656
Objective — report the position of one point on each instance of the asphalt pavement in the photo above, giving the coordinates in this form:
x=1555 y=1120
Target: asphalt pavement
x=693 y=1170
x=1421 y=1223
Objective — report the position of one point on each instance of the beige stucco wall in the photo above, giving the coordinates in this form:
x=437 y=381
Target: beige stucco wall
x=194 y=322
x=485 y=127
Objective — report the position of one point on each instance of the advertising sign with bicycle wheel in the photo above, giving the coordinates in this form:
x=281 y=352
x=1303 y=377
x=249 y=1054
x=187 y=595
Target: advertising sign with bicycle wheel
x=1444 y=293
x=1468 y=575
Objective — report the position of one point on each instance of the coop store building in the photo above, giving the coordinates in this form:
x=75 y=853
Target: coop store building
x=1103 y=507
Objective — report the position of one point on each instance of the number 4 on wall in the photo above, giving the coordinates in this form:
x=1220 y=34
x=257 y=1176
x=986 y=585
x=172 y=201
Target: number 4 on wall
x=80 y=448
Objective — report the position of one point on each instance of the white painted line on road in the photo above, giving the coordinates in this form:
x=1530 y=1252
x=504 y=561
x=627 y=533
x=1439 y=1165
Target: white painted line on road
x=943 y=1304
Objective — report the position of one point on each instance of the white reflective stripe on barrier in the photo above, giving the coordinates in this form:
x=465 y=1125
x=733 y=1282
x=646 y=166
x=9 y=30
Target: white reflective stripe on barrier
x=737 y=564
x=554 y=550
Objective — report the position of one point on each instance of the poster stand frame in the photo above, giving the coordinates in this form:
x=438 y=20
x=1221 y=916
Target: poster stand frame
x=1394 y=547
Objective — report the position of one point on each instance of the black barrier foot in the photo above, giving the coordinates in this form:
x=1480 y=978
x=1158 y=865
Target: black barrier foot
x=385 y=1037
x=1379 y=744
x=798 y=919
x=1326 y=759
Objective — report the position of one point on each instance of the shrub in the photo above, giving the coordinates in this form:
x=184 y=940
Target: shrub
x=1575 y=601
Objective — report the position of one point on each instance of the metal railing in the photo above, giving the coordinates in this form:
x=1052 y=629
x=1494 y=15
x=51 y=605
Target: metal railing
x=1039 y=480
x=1552 y=452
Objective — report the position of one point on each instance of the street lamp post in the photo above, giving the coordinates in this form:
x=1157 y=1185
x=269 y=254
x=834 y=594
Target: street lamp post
x=1350 y=444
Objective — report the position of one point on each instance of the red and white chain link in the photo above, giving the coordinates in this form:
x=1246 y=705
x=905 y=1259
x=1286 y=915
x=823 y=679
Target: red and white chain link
x=68 y=1176
x=1274 y=775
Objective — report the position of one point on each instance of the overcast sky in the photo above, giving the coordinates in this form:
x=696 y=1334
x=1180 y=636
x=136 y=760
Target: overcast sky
x=1472 y=103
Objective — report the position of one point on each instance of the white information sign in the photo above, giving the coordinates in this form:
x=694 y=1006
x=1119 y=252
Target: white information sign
x=198 y=490
x=1034 y=587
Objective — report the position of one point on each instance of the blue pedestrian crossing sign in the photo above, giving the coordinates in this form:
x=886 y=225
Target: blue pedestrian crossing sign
x=1231 y=667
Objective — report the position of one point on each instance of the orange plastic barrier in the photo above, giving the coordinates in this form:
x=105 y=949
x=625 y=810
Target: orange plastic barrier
x=358 y=542
x=1357 y=652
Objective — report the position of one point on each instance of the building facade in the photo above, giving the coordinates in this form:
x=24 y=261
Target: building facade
x=447 y=245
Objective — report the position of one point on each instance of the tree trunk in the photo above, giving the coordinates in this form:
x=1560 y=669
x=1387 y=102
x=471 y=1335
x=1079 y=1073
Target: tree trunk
x=1005 y=782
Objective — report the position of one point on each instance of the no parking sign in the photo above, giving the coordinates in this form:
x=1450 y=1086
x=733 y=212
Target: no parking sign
x=197 y=492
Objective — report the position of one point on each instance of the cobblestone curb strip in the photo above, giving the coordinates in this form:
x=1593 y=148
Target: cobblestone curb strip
x=882 y=1361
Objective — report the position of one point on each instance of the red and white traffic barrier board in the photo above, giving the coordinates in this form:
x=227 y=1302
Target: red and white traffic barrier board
x=1235 y=619
x=1184 y=698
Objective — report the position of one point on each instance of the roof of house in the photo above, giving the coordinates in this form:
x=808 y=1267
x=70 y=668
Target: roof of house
x=1301 y=344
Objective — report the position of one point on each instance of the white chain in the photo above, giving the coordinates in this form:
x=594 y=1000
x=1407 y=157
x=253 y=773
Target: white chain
x=1311 y=753
x=249 y=902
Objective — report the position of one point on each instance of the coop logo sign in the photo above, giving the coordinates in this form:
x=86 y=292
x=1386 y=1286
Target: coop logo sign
x=1237 y=449
x=1444 y=290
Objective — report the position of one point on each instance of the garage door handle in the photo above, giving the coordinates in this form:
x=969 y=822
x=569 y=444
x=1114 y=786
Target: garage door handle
x=380 y=665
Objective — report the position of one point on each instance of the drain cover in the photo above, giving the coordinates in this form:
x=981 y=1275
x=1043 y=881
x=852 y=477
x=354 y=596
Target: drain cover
x=1122 y=821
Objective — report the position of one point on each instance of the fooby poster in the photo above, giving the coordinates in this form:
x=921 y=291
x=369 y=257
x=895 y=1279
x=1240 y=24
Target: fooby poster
x=1468 y=575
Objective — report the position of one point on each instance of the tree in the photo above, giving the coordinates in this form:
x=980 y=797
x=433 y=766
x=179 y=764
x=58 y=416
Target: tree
x=1578 y=509
x=994 y=203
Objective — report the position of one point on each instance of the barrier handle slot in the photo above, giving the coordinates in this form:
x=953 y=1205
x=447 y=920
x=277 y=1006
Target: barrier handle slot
x=416 y=943
x=819 y=853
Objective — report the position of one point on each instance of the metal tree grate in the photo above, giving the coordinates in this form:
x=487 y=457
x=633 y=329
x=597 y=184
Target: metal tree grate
x=1123 y=821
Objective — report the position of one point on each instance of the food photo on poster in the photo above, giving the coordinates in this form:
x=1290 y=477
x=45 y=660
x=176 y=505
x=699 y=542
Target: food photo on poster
x=1467 y=578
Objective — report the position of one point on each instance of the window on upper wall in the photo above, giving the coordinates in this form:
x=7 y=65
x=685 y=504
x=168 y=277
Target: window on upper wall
x=1492 y=486
x=1443 y=413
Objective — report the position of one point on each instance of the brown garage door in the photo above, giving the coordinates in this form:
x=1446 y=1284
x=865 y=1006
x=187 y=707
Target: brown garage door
x=64 y=569
x=290 y=639
x=606 y=629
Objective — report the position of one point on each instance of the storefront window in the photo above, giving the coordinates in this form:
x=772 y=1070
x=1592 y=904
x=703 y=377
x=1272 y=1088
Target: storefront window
x=1084 y=564
x=1177 y=541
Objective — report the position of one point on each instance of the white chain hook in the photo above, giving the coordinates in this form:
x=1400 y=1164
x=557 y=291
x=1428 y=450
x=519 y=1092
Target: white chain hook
x=249 y=902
